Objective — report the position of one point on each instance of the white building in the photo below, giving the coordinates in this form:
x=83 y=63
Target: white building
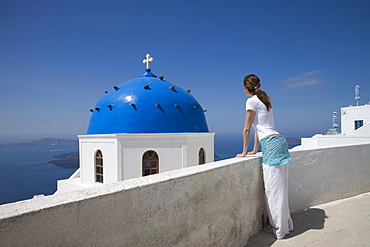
x=355 y=128
x=141 y=127
x=356 y=120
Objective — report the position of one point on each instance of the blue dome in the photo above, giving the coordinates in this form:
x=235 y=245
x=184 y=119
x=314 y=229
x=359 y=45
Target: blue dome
x=147 y=105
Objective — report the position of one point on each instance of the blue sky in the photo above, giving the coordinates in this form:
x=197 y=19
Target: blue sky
x=58 y=57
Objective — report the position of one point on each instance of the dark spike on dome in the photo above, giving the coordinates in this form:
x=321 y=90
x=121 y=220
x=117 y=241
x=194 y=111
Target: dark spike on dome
x=110 y=106
x=91 y=110
x=158 y=105
x=116 y=88
x=146 y=86
x=195 y=107
x=204 y=110
x=106 y=92
x=177 y=106
x=133 y=104
x=97 y=108
x=172 y=87
x=188 y=90
x=161 y=78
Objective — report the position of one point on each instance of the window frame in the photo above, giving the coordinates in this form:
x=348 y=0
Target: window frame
x=201 y=156
x=358 y=123
x=152 y=157
x=99 y=167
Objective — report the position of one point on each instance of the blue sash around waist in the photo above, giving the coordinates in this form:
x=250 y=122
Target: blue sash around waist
x=275 y=150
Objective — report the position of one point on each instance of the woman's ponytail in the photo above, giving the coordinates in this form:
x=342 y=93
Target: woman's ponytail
x=264 y=98
x=252 y=83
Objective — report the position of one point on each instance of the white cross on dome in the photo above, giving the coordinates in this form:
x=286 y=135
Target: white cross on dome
x=148 y=60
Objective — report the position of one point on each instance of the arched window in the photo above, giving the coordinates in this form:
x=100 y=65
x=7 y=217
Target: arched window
x=99 y=166
x=202 y=157
x=150 y=163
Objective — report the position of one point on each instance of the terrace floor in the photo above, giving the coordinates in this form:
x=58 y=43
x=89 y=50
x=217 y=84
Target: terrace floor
x=339 y=223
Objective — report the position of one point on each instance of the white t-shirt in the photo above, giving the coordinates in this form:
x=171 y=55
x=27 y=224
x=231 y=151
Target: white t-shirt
x=264 y=120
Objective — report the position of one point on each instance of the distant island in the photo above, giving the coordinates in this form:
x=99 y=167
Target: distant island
x=293 y=141
x=43 y=142
x=68 y=160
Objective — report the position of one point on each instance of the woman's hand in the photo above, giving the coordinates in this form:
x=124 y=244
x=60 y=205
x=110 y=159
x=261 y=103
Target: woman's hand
x=243 y=154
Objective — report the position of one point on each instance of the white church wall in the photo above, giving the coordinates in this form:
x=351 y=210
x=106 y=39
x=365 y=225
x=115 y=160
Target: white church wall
x=175 y=150
x=196 y=142
x=123 y=153
x=89 y=145
x=167 y=146
x=220 y=203
x=179 y=150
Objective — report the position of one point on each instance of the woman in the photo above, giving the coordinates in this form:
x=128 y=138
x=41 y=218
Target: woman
x=275 y=155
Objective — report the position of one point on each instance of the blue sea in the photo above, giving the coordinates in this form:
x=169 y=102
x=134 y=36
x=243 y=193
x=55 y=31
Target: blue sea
x=25 y=171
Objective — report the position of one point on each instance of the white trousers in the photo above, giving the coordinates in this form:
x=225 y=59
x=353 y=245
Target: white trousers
x=276 y=191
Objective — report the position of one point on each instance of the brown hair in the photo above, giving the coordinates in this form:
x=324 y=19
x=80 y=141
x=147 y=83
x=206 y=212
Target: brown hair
x=252 y=84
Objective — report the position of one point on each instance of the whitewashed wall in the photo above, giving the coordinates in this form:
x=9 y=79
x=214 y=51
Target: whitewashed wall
x=110 y=150
x=218 y=204
x=325 y=174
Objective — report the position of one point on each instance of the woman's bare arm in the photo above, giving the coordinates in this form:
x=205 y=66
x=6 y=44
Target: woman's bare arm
x=249 y=118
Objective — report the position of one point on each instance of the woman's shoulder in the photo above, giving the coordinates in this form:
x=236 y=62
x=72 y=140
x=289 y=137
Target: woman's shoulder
x=252 y=103
x=255 y=103
x=253 y=99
